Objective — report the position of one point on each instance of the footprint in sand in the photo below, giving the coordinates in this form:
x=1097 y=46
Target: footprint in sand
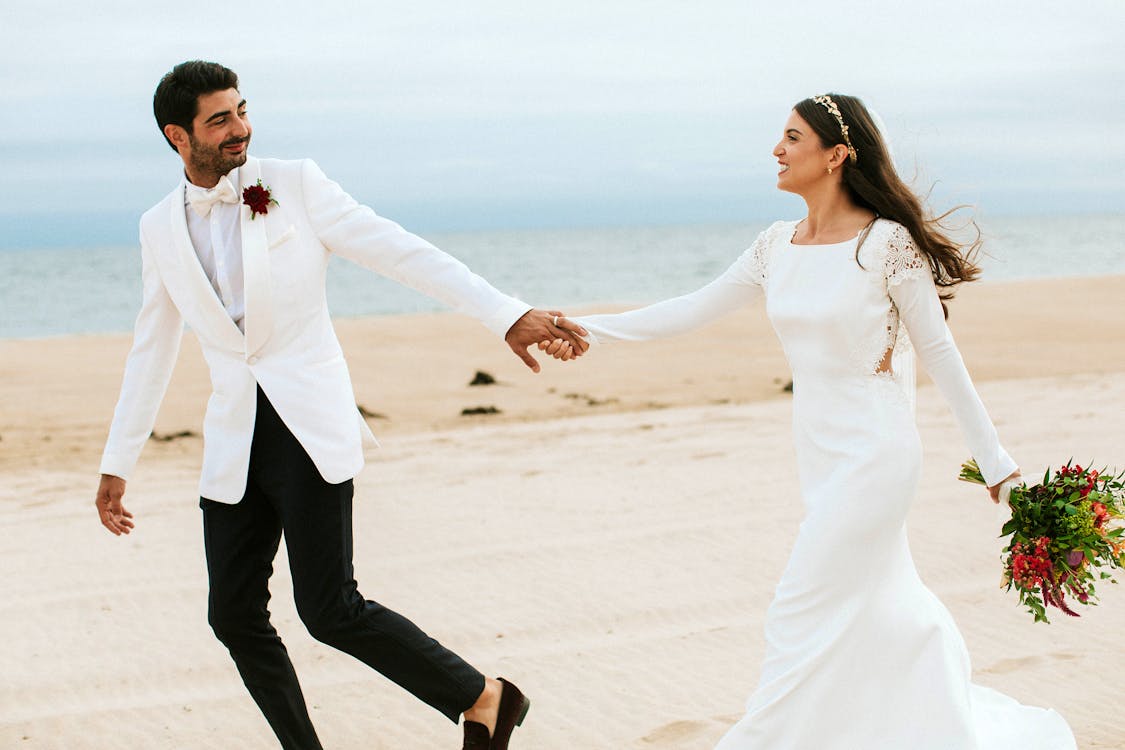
x=1004 y=666
x=676 y=732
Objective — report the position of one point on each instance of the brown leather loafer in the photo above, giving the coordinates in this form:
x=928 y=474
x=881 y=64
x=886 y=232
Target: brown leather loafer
x=476 y=736
x=514 y=706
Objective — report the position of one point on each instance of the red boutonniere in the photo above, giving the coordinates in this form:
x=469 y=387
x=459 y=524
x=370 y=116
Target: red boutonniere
x=258 y=198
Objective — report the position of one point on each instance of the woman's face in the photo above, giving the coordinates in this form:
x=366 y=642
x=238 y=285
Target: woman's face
x=802 y=160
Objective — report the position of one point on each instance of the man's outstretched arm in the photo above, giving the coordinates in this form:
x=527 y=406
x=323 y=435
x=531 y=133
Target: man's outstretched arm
x=355 y=232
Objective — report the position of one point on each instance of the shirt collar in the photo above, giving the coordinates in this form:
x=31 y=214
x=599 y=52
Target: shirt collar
x=191 y=188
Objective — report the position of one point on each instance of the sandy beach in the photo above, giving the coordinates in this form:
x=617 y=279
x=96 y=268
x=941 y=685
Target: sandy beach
x=609 y=538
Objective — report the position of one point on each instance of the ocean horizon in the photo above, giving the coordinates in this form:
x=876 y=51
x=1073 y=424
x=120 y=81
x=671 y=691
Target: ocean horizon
x=87 y=290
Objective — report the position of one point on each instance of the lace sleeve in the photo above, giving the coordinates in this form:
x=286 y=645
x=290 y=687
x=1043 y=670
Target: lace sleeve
x=902 y=261
x=740 y=284
x=756 y=258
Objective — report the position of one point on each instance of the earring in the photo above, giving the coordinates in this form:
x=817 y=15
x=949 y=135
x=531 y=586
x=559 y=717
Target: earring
x=830 y=170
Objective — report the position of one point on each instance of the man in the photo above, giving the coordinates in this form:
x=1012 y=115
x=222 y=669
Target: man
x=238 y=251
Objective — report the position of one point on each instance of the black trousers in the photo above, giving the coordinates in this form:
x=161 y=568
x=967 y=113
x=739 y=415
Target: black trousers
x=286 y=494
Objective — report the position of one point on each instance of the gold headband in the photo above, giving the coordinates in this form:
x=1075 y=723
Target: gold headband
x=826 y=101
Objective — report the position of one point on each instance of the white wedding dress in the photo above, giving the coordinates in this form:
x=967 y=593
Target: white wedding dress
x=860 y=655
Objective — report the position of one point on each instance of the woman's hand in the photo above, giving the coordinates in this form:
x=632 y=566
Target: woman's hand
x=994 y=490
x=558 y=348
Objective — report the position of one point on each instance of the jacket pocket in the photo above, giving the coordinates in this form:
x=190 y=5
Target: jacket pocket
x=284 y=237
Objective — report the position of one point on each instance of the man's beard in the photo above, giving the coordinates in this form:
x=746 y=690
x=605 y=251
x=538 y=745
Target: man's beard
x=213 y=160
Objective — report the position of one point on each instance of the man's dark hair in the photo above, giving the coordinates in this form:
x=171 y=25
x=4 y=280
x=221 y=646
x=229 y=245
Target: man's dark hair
x=176 y=101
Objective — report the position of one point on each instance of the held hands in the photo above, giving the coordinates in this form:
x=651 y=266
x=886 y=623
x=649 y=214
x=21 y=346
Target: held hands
x=110 y=510
x=545 y=326
x=560 y=349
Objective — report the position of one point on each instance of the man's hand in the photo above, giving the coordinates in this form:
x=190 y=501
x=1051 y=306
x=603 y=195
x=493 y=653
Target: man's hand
x=110 y=510
x=541 y=325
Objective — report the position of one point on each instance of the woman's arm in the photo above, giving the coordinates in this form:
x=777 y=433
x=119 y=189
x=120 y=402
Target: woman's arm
x=911 y=287
x=740 y=284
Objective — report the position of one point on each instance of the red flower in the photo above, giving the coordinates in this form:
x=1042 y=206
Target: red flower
x=1101 y=514
x=1031 y=568
x=258 y=198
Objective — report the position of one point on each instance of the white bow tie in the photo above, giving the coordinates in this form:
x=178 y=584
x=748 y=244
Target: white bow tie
x=202 y=199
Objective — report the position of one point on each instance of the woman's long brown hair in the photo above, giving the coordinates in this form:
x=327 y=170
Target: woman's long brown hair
x=873 y=183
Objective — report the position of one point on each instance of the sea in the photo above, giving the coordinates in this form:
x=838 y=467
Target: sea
x=82 y=290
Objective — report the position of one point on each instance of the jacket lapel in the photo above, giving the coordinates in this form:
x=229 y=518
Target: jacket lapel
x=258 y=320
x=210 y=306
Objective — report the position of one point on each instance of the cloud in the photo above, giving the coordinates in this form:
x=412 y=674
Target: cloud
x=549 y=106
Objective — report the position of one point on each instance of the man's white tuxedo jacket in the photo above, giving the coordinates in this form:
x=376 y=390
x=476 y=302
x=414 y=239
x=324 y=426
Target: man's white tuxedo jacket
x=289 y=346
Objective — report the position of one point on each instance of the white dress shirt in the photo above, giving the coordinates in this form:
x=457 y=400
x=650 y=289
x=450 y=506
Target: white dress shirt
x=217 y=240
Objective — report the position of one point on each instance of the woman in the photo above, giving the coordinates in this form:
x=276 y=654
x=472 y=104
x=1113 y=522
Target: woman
x=860 y=654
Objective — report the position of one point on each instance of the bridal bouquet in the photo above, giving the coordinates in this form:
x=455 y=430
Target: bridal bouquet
x=1066 y=532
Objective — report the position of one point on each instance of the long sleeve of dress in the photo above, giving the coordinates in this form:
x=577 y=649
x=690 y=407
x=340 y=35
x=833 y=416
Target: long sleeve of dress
x=739 y=285
x=912 y=289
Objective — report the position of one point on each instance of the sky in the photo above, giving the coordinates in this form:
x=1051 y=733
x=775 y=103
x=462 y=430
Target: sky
x=504 y=114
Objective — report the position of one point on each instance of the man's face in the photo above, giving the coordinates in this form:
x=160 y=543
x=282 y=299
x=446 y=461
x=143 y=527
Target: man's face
x=219 y=136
